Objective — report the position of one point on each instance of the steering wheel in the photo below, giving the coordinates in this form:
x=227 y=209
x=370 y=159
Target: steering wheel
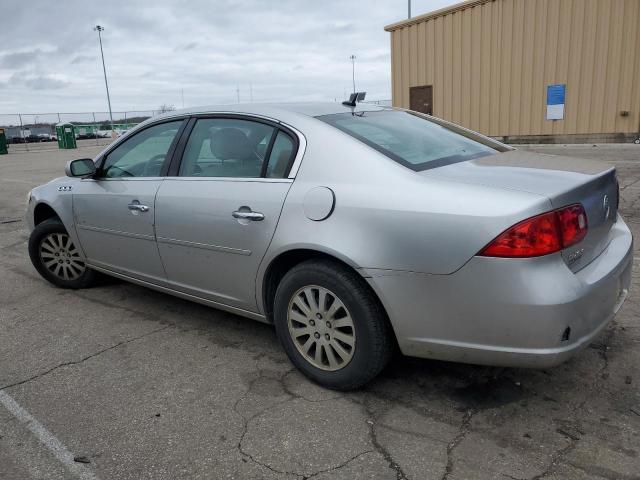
x=125 y=173
x=154 y=165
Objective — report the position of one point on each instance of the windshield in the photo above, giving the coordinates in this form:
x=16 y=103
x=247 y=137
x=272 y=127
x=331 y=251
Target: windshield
x=409 y=139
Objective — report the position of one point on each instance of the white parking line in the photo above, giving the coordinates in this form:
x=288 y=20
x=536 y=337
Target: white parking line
x=54 y=445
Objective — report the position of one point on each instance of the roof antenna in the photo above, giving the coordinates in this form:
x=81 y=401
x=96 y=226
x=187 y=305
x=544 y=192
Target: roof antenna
x=353 y=98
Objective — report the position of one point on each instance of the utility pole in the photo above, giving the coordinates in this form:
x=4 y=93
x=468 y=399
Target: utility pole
x=353 y=71
x=408 y=8
x=182 y=94
x=251 y=92
x=238 y=92
x=99 y=29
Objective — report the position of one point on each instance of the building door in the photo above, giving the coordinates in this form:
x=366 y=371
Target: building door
x=421 y=99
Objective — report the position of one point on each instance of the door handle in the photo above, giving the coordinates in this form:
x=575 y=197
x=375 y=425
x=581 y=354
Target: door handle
x=247 y=214
x=137 y=206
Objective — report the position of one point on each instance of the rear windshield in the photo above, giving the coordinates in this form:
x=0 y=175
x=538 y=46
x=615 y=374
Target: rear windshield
x=411 y=140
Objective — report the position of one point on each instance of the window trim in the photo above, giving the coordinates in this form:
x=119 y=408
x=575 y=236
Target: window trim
x=296 y=137
x=292 y=156
x=267 y=153
x=168 y=158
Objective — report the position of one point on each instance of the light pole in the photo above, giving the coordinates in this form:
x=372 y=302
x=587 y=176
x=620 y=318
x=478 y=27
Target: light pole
x=353 y=71
x=408 y=8
x=99 y=29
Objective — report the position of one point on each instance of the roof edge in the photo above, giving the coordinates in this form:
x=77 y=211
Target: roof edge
x=436 y=13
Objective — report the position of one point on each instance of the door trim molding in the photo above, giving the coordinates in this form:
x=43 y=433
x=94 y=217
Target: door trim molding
x=140 y=236
x=205 y=246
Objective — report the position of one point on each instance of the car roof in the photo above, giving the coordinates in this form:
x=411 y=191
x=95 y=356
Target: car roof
x=286 y=112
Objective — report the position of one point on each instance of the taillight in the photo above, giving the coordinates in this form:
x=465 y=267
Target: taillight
x=573 y=224
x=540 y=235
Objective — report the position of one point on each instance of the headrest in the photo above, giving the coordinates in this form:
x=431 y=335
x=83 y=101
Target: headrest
x=230 y=143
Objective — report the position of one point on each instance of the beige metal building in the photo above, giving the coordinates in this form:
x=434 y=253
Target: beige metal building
x=560 y=70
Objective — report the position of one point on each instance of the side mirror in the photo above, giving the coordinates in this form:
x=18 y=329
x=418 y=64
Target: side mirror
x=80 y=168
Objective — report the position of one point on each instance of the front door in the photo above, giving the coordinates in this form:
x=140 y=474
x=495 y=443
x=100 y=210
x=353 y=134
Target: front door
x=421 y=99
x=114 y=211
x=216 y=217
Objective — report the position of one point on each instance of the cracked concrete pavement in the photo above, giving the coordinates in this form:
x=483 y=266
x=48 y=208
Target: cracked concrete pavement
x=149 y=386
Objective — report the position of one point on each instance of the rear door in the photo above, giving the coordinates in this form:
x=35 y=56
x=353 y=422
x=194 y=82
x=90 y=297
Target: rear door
x=216 y=215
x=114 y=211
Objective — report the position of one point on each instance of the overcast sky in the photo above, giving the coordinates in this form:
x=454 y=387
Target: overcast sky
x=285 y=49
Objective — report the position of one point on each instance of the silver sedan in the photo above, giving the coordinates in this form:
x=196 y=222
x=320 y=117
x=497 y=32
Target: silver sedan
x=355 y=230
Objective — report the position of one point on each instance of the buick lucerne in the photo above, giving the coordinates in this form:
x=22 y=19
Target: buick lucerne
x=354 y=229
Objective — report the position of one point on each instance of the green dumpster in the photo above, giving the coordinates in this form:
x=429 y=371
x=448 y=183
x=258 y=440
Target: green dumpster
x=3 y=142
x=66 y=134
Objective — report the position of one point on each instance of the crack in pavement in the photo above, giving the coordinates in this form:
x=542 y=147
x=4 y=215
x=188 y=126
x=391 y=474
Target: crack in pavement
x=88 y=357
x=465 y=428
x=290 y=396
x=565 y=429
x=603 y=348
x=342 y=465
x=558 y=455
x=624 y=187
x=377 y=445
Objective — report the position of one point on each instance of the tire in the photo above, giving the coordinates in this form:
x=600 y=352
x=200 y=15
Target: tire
x=56 y=258
x=357 y=317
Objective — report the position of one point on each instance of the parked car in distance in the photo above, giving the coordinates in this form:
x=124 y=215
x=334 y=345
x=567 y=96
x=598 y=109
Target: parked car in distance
x=46 y=137
x=353 y=229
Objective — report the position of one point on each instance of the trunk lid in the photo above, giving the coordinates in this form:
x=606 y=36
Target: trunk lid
x=563 y=180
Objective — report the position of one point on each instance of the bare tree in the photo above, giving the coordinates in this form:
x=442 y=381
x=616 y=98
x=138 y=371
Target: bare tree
x=166 y=108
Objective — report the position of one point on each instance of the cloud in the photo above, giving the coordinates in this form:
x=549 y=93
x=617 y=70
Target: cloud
x=204 y=48
x=82 y=59
x=37 y=82
x=19 y=59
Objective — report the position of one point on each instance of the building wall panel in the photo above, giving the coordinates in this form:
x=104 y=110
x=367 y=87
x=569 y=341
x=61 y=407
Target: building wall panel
x=490 y=63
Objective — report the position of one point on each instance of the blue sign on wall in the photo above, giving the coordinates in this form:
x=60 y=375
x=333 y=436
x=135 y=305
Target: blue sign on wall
x=556 y=95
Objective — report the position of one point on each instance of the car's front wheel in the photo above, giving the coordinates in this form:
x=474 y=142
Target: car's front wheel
x=56 y=258
x=331 y=325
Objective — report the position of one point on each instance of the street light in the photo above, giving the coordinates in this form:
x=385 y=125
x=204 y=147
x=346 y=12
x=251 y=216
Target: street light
x=99 y=29
x=353 y=71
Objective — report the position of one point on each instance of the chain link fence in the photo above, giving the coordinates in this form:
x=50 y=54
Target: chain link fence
x=37 y=131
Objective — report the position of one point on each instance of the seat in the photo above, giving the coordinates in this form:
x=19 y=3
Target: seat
x=232 y=145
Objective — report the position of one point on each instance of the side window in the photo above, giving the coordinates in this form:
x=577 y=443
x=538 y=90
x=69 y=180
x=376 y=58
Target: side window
x=226 y=147
x=280 y=157
x=141 y=155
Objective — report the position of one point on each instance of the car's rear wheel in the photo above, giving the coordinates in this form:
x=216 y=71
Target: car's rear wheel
x=331 y=325
x=56 y=258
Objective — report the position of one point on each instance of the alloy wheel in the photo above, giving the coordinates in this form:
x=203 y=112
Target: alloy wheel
x=321 y=328
x=61 y=257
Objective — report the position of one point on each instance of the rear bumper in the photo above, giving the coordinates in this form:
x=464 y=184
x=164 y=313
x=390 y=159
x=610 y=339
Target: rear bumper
x=507 y=312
